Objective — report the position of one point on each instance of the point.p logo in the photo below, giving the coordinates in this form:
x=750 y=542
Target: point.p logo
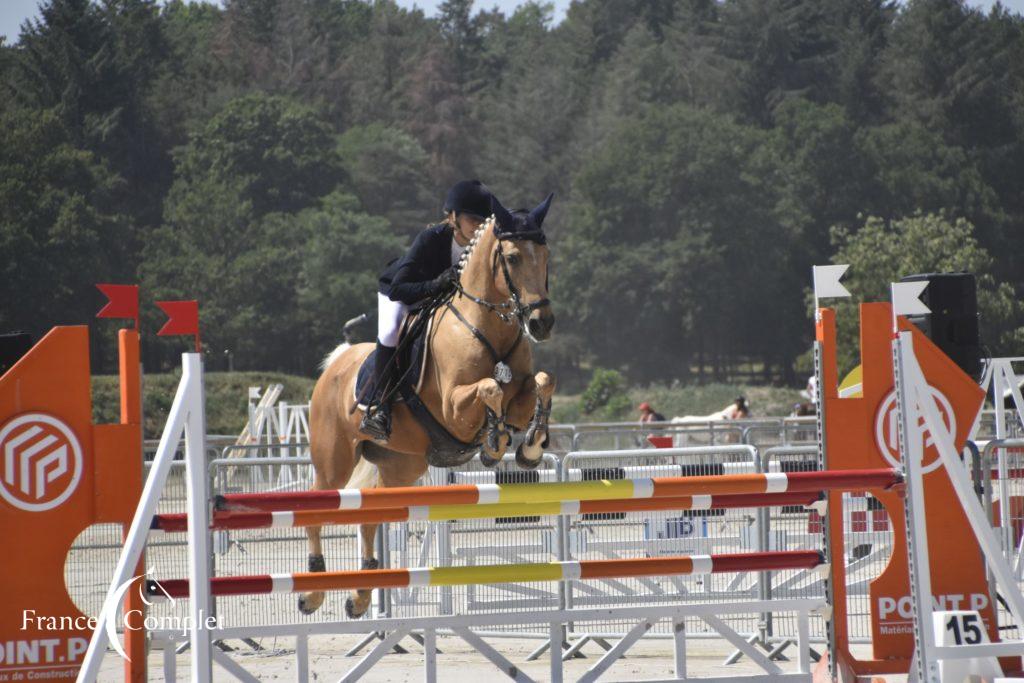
x=40 y=462
x=887 y=430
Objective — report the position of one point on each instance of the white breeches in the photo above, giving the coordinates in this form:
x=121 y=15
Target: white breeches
x=390 y=316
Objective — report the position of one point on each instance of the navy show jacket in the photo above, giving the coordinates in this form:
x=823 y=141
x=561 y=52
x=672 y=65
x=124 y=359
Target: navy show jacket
x=407 y=279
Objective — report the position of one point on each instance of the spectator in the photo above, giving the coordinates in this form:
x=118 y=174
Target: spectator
x=811 y=392
x=648 y=414
x=810 y=406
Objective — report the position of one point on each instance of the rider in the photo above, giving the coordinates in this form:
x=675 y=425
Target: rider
x=428 y=269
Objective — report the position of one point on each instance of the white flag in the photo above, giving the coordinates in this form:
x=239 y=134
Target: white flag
x=826 y=282
x=906 y=298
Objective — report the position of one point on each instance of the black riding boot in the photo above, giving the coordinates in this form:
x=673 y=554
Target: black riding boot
x=376 y=421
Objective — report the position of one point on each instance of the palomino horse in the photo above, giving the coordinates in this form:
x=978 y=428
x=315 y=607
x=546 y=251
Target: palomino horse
x=502 y=295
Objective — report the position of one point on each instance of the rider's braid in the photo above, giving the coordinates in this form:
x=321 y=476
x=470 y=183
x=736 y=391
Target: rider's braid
x=464 y=259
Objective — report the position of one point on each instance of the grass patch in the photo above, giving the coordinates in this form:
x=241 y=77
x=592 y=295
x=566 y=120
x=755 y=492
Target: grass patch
x=685 y=400
x=226 y=399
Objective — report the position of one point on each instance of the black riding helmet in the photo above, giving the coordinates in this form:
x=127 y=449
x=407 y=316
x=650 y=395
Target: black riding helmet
x=469 y=196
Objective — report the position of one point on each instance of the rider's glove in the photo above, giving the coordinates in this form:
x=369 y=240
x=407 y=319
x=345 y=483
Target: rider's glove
x=445 y=281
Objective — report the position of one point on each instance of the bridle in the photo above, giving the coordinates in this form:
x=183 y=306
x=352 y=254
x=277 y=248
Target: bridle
x=510 y=311
x=513 y=309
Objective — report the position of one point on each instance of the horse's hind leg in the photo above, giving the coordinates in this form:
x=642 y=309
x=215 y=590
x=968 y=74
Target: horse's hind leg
x=398 y=469
x=334 y=459
x=310 y=602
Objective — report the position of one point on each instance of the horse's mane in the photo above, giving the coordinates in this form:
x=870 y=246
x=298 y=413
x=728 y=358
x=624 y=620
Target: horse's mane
x=473 y=241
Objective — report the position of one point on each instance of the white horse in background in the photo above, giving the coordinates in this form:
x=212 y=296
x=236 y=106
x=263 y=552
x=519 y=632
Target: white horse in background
x=737 y=410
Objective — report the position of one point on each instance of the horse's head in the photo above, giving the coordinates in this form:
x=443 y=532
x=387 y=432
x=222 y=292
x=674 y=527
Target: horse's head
x=519 y=258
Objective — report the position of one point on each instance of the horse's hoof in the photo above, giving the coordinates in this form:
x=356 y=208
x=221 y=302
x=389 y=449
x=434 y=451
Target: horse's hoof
x=524 y=462
x=350 y=609
x=304 y=607
x=487 y=461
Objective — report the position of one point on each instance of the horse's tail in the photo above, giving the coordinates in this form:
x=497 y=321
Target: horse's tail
x=333 y=355
x=364 y=476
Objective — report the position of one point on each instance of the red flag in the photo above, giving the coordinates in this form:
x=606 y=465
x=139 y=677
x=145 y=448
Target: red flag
x=182 y=318
x=123 y=302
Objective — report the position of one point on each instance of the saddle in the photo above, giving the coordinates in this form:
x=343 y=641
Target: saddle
x=411 y=358
x=445 y=450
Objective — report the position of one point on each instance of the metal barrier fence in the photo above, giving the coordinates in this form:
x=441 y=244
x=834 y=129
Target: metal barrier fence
x=475 y=542
x=987 y=425
x=1002 y=470
x=650 y=534
x=868 y=540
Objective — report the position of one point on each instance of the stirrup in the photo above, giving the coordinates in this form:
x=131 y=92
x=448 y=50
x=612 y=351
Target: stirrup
x=376 y=425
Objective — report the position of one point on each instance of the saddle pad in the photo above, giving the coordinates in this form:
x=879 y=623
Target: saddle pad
x=415 y=358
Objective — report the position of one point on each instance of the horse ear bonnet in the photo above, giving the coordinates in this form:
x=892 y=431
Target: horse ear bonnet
x=521 y=224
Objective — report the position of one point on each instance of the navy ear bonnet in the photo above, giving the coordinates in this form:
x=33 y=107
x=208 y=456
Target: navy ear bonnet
x=520 y=224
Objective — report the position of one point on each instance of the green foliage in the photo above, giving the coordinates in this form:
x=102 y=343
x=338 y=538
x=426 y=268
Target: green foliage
x=269 y=156
x=665 y=211
x=338 y=275
x=278 y=155
x=189 y=30
x=93 y=66
x=58 y=227
x=248 y=191
x=606 y=393
x=389 y=174
x=913 y=168
x=882 y=252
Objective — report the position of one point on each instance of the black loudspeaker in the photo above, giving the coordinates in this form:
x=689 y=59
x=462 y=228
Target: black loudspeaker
x=12 y=348
x=953 y=322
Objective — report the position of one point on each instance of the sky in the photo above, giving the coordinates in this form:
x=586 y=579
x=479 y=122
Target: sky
x=14 y=12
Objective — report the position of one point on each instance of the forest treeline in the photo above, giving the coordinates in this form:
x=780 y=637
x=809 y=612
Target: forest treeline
x=269 y=156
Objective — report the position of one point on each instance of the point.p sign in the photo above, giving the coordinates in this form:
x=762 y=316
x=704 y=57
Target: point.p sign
x=40 y=462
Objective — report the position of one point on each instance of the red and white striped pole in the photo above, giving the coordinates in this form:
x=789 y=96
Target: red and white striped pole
x=622 y=489
x=171 y=523
x=368 y=579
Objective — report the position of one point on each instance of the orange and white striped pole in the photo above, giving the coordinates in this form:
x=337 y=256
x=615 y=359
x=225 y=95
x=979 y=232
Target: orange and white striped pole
x=583 y=570
x=171 y=523
x=554 y=492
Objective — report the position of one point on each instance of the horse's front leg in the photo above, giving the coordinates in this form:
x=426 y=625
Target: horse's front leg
x=358 y=601
x=468 y=401
x=532 y=405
